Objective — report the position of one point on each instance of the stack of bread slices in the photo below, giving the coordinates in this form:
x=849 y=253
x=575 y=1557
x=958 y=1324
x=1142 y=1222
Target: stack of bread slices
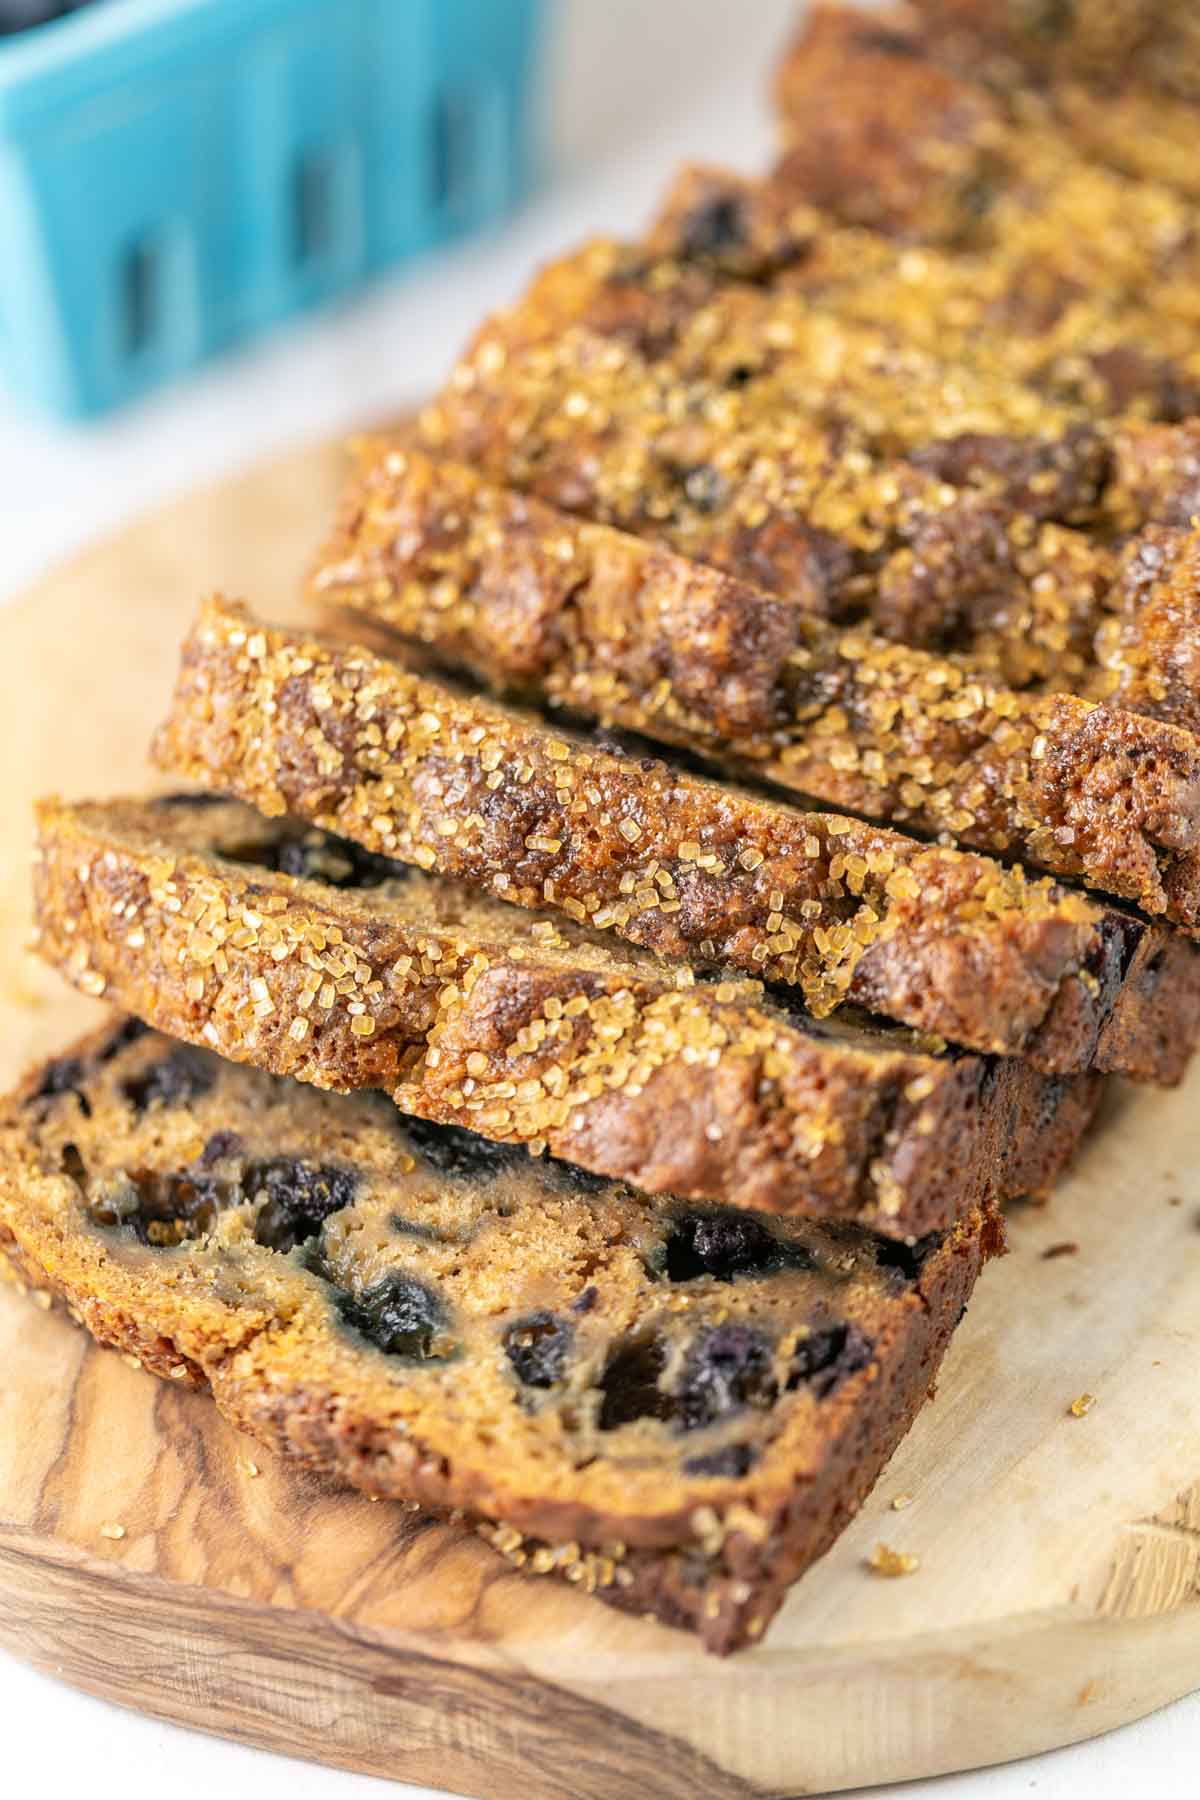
x=594 y=993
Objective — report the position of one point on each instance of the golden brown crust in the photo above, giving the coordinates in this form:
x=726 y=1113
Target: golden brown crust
x=876 y=131
x=670 y=861
x=1084 y=306
x=616 y=629
x=1155 y=478
x=469 y=1012
x=833 y=462
x=976 y=416
x=283 y=1336
x=948 y=123
x=851 y=491
x=1107 y=45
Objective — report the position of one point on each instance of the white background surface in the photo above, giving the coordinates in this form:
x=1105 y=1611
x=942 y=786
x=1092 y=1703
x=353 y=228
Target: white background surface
x=637 y=85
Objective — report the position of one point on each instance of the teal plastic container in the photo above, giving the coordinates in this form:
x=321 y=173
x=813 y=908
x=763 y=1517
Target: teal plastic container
x=176 y=174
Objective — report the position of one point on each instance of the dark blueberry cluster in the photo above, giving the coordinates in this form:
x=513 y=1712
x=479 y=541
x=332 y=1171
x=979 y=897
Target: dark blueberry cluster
x=715 y=228
x=66 y=1074
x=733 y=1461
x=461 y=1155
x=905 y=1261
x=399 y=1315
x=160 y=1207
x=300 y=1197
x=176 y=1079
x=165 y=1207
x=629 y=1387
x=319 y=856
x=571 y=1176
x=827 y=1356
x=538 y=1347
x=219 y=1146
x=1112 y=953
x=63 y=1076
x=727 y=1368
x=725 y=1245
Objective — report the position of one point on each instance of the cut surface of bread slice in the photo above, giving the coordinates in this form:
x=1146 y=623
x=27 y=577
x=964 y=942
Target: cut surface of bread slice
x=605 y=625
x=280 y=947
x=678 y=1409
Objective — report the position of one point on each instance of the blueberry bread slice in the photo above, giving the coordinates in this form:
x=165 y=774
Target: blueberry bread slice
x=965 y=556
x=603 y=624
x=1025 y=311
x=279 y=946
x=1120 y=77
x=837 y=492
x=938 y=135
x=845 y=391
x=677 y=1409
x=927 y=936
x=819 y=459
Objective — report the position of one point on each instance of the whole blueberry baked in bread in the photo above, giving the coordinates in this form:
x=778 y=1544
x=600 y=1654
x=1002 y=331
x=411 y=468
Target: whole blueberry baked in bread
x=679 y=1408
x=277 y=945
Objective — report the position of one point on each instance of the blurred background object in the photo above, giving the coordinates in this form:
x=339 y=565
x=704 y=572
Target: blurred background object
x=176 y=174
x=620 y=93
x=19 y=15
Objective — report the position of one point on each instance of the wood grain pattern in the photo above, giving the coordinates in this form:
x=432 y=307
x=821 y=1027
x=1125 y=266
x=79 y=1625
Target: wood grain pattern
x=1059 y=1587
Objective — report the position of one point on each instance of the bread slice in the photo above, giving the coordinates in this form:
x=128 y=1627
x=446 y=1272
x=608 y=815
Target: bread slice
x=1037 y=307
x=856 y=475
x=1122 y=78
x=283 y=948
x=861 y=500
x=747 y=352
x=924 y=131
x=611 y=627
x=1107 y=44
x=670 y=861
x=676 y=1410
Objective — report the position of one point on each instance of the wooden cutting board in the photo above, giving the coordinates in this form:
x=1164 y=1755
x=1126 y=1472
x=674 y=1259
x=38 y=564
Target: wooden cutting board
x=1058 y=1592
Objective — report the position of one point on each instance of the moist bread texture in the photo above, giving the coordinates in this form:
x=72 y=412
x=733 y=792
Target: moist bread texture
x=678 y=1410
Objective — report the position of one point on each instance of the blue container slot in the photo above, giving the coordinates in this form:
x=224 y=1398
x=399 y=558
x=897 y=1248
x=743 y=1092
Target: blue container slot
x=177 y=173
x=141 y=298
